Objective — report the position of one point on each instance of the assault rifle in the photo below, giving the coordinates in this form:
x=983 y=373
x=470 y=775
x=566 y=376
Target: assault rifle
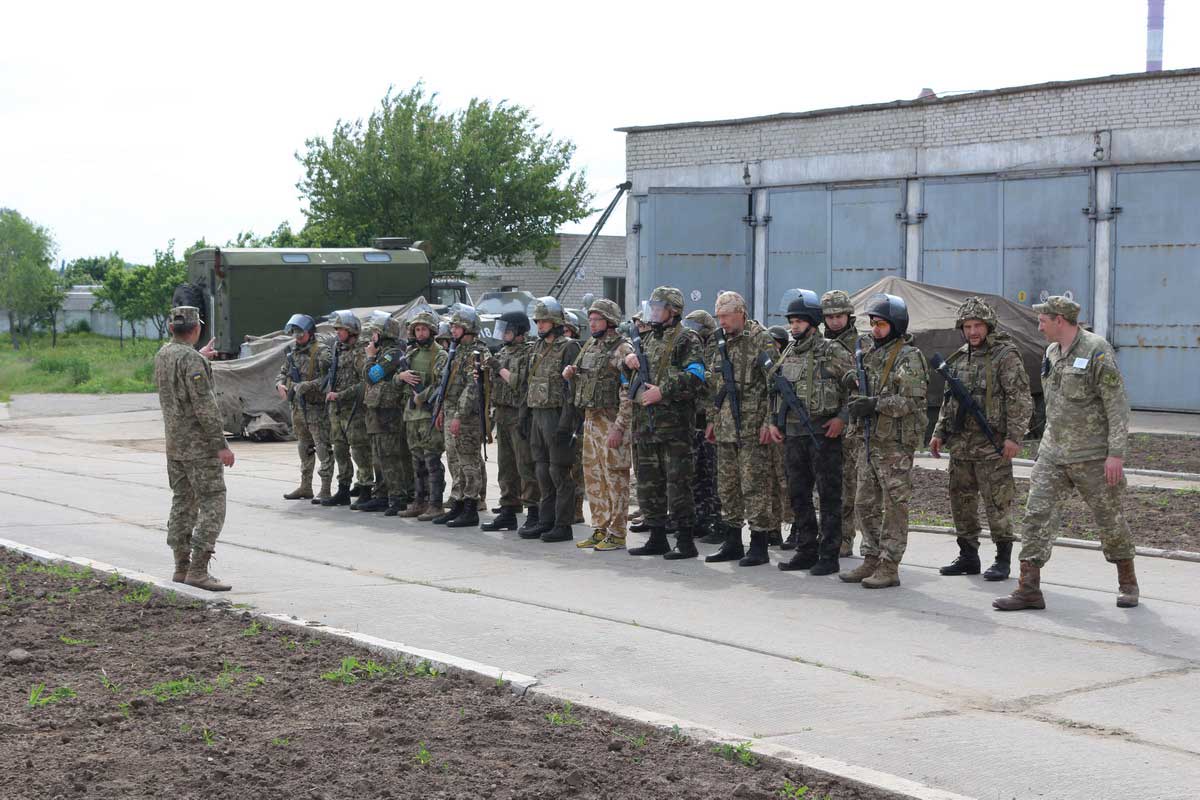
x=294 y=376
x=791 y=401
x=642 y=379
x=966 y=403
x=481 y=387
x=439 y=394
x=864 y=389
x=728 y=386
x=331 y=376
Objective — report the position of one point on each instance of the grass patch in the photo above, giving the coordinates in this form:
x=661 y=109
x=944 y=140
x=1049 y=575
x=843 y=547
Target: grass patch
x=38 y=696
x=564 y=717
x=737 y=753
x=173 y=690
x=139 y=595
x=82 y=363
x=351 y=670
x=76 y=642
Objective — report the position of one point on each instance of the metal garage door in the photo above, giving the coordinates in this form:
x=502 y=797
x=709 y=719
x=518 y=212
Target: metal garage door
x=1156 y=278
x=701 y=242
x=1022 y=238
x=821 y=238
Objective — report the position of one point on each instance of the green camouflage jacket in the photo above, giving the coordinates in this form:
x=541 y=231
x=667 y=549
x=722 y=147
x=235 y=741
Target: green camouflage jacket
x=899 y=418
x=751 y=383
x=427 y=360
x=815 y=366
x=462 y=390
x=190 y=414
x=312 y=361
x=670 y=350
x=996 y=378
x=1087 y=411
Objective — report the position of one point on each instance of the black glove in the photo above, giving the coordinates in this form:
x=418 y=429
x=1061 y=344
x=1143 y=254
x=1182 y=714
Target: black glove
x=862 y=407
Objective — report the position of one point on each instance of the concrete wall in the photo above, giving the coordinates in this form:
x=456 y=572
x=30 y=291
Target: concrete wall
x=606 y=259
x=78 y=306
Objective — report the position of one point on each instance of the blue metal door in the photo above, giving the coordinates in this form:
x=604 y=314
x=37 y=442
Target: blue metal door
x=797 y=245
x=1156 y=274
x=960 y=237
x=701 y=242
x=867 y=237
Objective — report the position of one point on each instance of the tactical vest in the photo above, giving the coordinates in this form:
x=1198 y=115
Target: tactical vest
x=545 y=374
x=422 y=359
x=882 y=365
x=462 y=372
x=597 y=382
x=512 y=358
x=385 y=394
x=980 y=374
x=810 y=371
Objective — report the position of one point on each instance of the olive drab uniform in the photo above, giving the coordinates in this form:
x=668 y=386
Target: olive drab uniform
x=552 y=425
x=743 y=463
x=899 y=377
x=996 y=378
x=601 y=392
x=464 y=452
x=194 y=437
x=1087 y=420
x=347 y=418
x=515 y=470
x=815 y=367
x=852 y=441
x=310 y=419
x=425 y=442
x=385 y=424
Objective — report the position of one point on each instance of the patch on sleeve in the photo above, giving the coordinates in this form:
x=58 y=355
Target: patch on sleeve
x=1110 y=377
x=196 y=376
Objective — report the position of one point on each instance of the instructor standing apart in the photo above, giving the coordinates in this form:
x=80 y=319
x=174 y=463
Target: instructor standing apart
x=196 y=450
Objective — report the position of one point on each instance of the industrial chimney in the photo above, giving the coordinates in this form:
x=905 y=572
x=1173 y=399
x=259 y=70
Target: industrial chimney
x=1154 y=35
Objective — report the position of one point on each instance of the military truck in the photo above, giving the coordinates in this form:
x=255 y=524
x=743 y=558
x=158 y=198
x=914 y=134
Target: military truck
x=244 y=291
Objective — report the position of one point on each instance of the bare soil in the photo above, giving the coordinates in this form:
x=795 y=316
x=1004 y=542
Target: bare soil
x=125 y=693
x=1152 y=451
x=1164 y=518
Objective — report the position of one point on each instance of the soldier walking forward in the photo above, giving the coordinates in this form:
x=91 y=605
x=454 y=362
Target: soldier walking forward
x=305 y=364
x=893 y=408
x=1083 y=448
x=838 y=313
x=347 y=420
x=601 y=391
x=426 y=361
x=740 y=366
x=989 y=367
x=462 y=415
x=196 y=450
x=515 y=471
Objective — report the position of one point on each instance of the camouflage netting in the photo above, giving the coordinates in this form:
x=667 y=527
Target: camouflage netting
x=246 y=386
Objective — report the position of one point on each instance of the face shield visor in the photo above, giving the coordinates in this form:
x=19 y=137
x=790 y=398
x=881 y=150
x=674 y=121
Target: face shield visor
x=654 y=312
x=299 y=324
x=694 y=325
x=501 y=327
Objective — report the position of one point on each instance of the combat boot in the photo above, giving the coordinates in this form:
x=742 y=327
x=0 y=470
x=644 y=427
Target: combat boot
x=998 y=571
x=1028 y=593
x=803 y=559
x=456 y=508
x=197 y=574
x=432 y=511
x=887 y=574
x=303 y=491
x=793 y=537
x=967 y=562
x=731 y=548
x=1127 y=585
x=469 y=517
x=342 y=498
x=559 y=533
x=714 y=532
x=610 y=542
x=641 y=526
x=825 y=566
x=864 y=570
x=395 y=506
x=364 y=496
x=656 y=545
x=183 y=559
x=506 y=520
x=324 y=494
x=498 y=510
x=846 y=548
x=356 y=490
x=376 y=503
x=533 y=527
x=757 y=554
x=415 y=509
x=598 y=536
x=775 y=538
x=685 y=547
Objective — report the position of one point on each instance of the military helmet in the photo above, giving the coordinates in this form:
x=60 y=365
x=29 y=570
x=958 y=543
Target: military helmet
x=730 y=303
x=669 y=295
x=443 y=330
x=607 y=309
x=346 y=320
x=976 y=308
x=571 y=320
x=701 y=322
x=891 y=308
x=466 y=316
x=424 y=317
x=299 y=323
x=836 y=301
x=780 y=334
x=548 y=308
x=805 y=305
x=515 y=321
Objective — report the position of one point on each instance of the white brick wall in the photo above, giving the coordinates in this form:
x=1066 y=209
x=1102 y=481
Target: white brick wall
x=1144 y=100
x=606 y=259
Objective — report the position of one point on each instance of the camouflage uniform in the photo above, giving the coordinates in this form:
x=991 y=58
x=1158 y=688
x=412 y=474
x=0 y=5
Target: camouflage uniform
x=995 y=377
x=464 y=452
x=425 y=442
x=347 y=420
x=385 y=420
x=551 y=416
x=600 y=389
x=704 y=452
x=310 y=420
x=816 y=368
x=194 y=437
x=835 y=302
x=515 y=470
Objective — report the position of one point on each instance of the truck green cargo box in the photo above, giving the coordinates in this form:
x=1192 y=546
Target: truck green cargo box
x=244 y=291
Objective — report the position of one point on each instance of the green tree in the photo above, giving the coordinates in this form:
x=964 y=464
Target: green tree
x=27 y=282
x=91 y=269
x=481 y=183
x=118 y=293
x=154 y=285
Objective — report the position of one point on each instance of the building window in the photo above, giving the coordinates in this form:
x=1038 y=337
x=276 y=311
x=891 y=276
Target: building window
x=294 y=258
x=377 y=257
x=614 y=289
x=510 y=288
x=339 y=281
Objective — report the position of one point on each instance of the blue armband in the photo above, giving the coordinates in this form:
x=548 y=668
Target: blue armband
x=697 y=369
x=375 y=374
x=624 y=380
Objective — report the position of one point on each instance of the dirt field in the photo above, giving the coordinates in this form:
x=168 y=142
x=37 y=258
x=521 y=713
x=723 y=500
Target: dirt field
x=1153 y=451
x=113 y=692
x=1166 y=518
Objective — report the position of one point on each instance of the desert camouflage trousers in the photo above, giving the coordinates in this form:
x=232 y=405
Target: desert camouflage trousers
x=852 y=449
x=664 y=482
x=197 y=503
x=606 y=473
x=351 y=445
x=746 y=481
x=311 y=428
x=464 y=455
x=515 y=470
x=1049 y=486
x=884 y=489
x=704 y=485
x=426 y=445
x=393 y=461
x=990 y=479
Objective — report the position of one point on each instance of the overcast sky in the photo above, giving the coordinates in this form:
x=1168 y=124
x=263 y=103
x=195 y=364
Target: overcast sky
x=125 y=125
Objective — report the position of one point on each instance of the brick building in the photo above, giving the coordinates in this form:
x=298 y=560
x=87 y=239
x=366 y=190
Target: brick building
x=1087 y=187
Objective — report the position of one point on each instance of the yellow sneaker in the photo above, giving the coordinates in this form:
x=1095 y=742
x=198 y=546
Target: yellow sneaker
x=593 y=540
x=611 y=542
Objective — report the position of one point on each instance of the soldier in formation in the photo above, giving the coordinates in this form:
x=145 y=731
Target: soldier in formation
x=515 y=469
x=709 y=528
x=385 y=416
x=347 y=422
x=301 y=375
x=462 y=414
x=426 y=362
x=838 y=314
